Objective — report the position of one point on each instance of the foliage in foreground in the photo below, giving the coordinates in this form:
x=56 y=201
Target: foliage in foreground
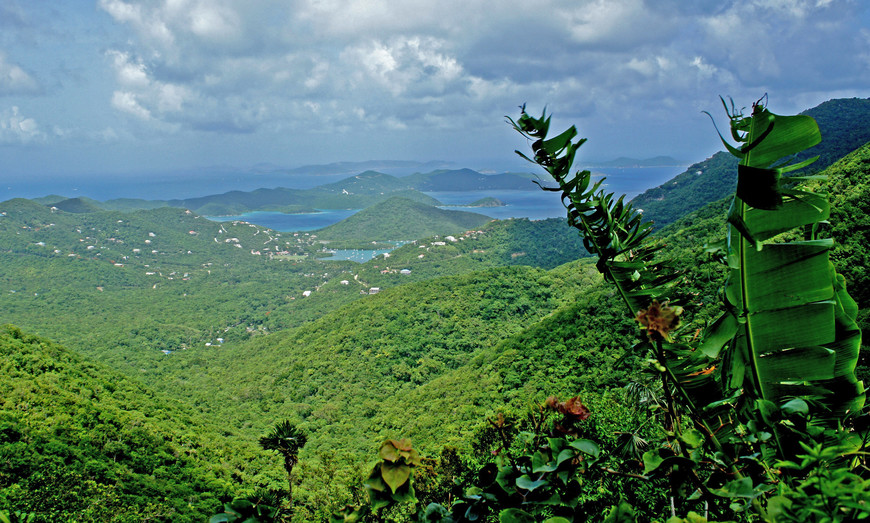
x=761 y=414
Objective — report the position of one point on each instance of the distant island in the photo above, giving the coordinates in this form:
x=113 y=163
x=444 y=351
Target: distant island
x=485 y=202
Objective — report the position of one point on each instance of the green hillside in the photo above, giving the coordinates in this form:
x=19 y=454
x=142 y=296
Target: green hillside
x=79 y=442
x=499 y=243
x=125 y=286
x=368 y=182
x=845 y=126
x=366 y=191
x=849 y=188
x=488 y=201
x=401 y=219
x=78 y=205
x=208 y=334
x=342 y=371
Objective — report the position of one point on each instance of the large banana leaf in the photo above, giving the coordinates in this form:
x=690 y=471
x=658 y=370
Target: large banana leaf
x=790 y=328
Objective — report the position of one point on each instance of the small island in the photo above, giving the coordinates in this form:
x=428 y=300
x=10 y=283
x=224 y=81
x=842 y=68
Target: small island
x=486 y=202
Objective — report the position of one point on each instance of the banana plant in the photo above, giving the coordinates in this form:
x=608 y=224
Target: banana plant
x=789 y=329
x=788 y=337
x=618 y=235
x=610 y=227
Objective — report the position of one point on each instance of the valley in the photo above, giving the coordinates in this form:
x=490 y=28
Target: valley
x=149 y=348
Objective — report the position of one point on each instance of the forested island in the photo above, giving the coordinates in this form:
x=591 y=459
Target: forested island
x=160 y=366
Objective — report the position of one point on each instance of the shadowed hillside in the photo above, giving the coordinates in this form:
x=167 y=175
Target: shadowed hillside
x=845 y=126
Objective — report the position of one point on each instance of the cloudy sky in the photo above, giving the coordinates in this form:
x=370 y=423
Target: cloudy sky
x=132 y=86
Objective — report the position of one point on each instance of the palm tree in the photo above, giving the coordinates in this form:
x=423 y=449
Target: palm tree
x=287 y=439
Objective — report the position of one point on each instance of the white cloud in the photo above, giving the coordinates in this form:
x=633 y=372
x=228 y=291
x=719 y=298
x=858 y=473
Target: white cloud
x=15 y=128
x=706 y=70
x=619 y=22
x=784 y=42
x=126 y=102
x=152 y=29
x=14 y=79
x=130 y=74
x=359 y=65
x=411 y=64
x=142 y=96
x=213 y=21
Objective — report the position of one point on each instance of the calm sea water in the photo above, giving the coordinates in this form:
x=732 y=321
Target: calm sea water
x=278 y=221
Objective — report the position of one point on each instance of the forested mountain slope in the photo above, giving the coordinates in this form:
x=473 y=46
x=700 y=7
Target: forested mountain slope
x=430 y=356
x=339 y=373
x=79 y=442
x=123 y=287
x=540 y=243
x=848 y=184
x=401 y=219
x=845 y=126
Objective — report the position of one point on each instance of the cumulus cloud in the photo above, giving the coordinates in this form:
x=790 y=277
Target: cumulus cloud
x=14 y=80
x=337 y=65
x=143 y=96
x=16 y=128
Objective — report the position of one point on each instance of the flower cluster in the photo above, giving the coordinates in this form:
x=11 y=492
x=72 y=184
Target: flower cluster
x=659 y=320
x=572 y=411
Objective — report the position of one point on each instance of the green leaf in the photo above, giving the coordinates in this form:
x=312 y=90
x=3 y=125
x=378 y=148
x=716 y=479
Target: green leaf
x=787 y=135
x=557 y=519
x=586 y=446
x=717 y=335
x=661 y=460
x=564 y=456
x=693 y=438
x=388 y=451
x=795 y=335
x=515 y=515
x=556 y=444
x=504 y=478
x=526 y=483
x=395 y=475
x=738 y=488
x=691 y=517
x=405 y=495
x=621 y=513
x=541 y=463
x=798 y=209
x=796 y=406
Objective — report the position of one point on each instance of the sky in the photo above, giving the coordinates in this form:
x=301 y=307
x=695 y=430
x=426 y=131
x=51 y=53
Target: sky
x=128 y=87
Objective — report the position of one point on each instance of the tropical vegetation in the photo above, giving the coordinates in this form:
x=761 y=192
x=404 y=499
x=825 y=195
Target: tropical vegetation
x=498 y=374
